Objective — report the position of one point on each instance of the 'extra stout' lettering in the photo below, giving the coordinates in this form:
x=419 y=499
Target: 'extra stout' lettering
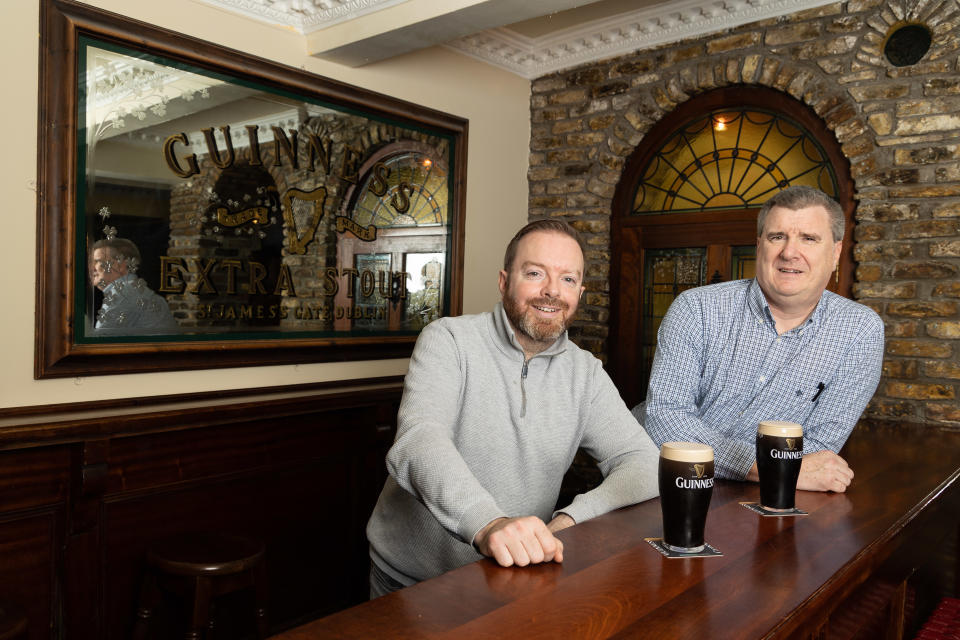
x=694 y=483
x=214 y=276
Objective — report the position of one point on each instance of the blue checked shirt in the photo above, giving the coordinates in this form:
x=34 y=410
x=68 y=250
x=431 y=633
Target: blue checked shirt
x=720 y=368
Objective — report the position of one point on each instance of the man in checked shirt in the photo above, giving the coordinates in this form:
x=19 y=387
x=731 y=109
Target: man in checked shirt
x=777 y=347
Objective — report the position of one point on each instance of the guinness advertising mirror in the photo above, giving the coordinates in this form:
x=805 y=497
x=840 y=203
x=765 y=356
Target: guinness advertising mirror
x=202 y=208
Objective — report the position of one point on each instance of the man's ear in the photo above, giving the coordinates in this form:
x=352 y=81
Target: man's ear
x=503 y=281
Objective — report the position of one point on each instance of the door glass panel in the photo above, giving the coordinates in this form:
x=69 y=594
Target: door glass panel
x=372 y=290
x=743 y=262
x=667 y=272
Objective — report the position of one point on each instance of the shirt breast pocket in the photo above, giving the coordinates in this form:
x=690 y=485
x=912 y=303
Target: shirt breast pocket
x=800 y=398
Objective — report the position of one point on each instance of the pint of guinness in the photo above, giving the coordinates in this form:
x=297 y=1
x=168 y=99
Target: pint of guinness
x=686 y=484
x=779 y=455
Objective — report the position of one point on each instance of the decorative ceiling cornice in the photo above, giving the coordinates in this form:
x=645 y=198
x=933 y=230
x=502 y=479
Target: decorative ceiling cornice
x=303 y=16
x=600 y=39
x=669 y=21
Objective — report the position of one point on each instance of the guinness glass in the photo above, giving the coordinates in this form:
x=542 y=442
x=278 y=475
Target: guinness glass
x=779 y=455
x=686 y=484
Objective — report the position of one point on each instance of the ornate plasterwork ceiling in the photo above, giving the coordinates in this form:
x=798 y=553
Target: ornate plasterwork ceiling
x=645 y=23
x=304 y=15
x=605 y=38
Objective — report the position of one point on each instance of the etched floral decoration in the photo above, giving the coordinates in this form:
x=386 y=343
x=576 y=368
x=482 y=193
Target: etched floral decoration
x=109 y=232
x=124 y=88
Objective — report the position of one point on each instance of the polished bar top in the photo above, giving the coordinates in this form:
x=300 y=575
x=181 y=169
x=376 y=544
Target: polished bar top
x=774 y=576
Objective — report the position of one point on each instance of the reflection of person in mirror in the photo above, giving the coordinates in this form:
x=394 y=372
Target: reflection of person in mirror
x=129 y=305
x=425 y=302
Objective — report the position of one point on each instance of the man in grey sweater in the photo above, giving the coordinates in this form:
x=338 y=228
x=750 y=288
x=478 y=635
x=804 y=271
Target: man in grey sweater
x=494 y=408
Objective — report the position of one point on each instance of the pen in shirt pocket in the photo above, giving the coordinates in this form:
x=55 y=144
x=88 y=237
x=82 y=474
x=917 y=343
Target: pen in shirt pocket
x=820 y=388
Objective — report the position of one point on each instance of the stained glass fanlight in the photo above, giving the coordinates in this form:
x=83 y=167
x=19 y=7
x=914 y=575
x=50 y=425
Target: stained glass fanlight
x=412 y=192
x=731 y=159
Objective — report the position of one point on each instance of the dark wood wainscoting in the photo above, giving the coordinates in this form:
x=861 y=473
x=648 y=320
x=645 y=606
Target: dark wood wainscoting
x=85 y=489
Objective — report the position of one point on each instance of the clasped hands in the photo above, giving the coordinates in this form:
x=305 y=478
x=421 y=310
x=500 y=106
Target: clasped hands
x=522 y=541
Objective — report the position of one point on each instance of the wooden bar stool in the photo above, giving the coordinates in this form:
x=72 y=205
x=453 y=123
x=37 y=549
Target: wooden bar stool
x=13 y=622
x=200 y=567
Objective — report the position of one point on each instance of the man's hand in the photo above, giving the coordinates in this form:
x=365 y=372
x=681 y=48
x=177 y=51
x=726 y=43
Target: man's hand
x=824 y=471
x=519 y=541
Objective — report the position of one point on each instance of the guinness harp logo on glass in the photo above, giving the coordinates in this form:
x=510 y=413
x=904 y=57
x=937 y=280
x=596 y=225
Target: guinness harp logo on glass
x=791 y=444
x=699 y=469
x=302 y=211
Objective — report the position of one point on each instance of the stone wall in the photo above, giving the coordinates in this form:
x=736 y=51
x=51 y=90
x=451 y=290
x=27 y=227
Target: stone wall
x=899 y=127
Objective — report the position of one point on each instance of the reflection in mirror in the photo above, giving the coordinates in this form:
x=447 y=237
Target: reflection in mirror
x=425 y=271
x=245 y=211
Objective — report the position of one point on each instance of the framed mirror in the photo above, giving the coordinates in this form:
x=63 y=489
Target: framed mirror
x=203 y=208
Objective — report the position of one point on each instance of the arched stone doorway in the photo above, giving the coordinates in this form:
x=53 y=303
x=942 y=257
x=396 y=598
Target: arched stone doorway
x=684 y=210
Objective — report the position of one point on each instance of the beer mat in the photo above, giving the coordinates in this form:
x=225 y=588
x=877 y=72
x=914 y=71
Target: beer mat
x=756 y=508
x=708 y=550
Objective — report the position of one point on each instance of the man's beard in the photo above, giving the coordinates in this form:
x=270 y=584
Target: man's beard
x=535 y=328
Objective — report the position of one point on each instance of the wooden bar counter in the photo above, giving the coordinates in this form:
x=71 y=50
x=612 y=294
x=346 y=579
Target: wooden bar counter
x=789 y=577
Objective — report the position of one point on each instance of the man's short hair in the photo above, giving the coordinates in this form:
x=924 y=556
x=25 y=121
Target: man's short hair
x=551 y=225
x=119 y=248
x=801 y=197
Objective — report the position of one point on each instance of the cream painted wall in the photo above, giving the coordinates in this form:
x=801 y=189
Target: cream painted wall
x=495 y=102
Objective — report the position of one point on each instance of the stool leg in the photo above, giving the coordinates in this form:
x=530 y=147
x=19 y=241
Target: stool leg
x=260 y=598
x=149 y=595
x=212 y=624
x=200 y=617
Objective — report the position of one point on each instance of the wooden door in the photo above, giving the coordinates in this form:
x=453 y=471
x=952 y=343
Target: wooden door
x=685 y=210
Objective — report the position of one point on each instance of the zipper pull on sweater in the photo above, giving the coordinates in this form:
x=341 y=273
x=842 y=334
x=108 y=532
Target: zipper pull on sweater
x=523 y=391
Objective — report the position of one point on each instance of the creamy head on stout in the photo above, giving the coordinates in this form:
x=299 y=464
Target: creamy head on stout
x=687 y=451
x=781 y=429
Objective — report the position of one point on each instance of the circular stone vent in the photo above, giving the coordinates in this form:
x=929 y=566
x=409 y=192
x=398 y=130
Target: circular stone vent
x=907 y=44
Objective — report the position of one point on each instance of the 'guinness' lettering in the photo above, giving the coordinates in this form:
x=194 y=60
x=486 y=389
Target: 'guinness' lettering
x=701 y=483
x=786 y=455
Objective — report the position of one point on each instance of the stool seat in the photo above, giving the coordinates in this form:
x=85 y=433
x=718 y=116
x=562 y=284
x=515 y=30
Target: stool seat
x=13 y=622
x=201 y=566
x=205 y=554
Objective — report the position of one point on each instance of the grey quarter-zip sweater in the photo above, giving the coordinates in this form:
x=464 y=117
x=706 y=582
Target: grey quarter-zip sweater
x=483 y=433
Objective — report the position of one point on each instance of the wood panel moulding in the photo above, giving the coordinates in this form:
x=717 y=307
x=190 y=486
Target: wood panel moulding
x=86 y=488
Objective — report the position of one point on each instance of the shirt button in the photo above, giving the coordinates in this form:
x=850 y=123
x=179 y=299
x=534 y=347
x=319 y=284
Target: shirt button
x=763 y=378
x=741 y=413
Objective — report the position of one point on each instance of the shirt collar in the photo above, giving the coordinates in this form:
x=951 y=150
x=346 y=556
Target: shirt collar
x=757 y=303
x=119 y=283
x=507 y=338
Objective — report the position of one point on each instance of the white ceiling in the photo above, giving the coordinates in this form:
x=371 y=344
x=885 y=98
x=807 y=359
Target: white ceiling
x=528 y=37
